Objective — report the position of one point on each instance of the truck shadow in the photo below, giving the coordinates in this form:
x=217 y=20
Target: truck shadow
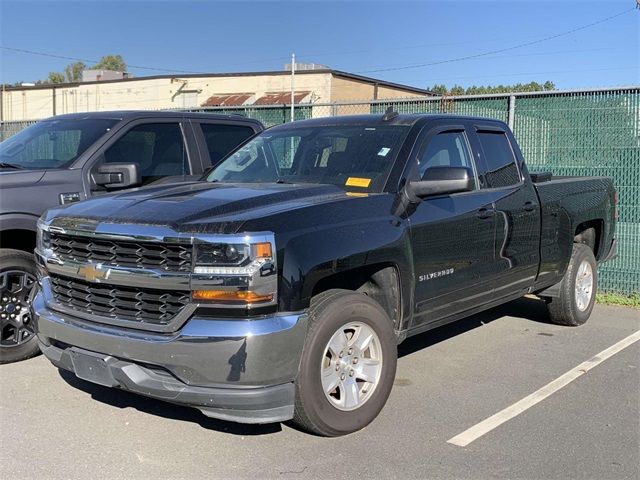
x=526 y=308
x=123 y=399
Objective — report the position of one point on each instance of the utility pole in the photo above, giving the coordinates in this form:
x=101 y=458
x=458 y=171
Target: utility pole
x=293 y=85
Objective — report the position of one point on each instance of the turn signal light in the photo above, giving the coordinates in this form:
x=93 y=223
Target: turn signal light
x=231 y=297
x=263 y=250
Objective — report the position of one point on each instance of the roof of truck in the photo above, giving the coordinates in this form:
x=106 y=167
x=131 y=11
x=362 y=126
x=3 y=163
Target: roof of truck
x=135 y=114
x=379 y=120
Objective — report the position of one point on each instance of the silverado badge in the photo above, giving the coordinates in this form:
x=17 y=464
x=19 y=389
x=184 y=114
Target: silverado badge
x=93 y=273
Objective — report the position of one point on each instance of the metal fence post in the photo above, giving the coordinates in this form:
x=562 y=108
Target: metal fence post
x=512 y=111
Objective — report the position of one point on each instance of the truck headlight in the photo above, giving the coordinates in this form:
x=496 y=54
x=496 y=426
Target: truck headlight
x=235 y=274
x=43 y=239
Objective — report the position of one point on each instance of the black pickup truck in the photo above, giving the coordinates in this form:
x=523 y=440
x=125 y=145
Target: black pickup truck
x=280 y=287
x=69 y=158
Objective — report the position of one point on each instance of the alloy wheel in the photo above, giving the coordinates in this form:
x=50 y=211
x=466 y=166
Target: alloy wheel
x=15 y=316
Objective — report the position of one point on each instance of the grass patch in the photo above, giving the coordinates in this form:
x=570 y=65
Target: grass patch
x=632 y=300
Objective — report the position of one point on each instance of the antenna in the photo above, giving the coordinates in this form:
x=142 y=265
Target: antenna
x=389 y=114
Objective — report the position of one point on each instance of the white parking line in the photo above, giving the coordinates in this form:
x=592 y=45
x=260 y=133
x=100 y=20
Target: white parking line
x=465 y=438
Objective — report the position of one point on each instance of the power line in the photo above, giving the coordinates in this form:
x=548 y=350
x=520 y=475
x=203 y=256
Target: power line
x=547 y=53
x=77 y=59
x=139 y=67
x=500 y=50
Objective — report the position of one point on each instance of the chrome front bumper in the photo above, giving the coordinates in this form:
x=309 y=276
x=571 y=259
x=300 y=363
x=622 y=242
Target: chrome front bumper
x=234 y=369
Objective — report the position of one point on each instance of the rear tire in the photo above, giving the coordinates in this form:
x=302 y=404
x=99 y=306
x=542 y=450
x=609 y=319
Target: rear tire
x=348 y=364
x=17 y=280
x=577 y=289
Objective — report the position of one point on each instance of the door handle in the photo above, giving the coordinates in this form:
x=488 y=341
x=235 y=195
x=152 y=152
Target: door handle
x=529 y=206
x=485 y=213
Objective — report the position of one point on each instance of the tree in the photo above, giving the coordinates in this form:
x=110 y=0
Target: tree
x=483 y=90
x=439 y=89
x=111 y=62
x=73 y=71
x=55 y=77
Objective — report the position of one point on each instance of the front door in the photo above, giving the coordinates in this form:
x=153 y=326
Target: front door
x=452 y=235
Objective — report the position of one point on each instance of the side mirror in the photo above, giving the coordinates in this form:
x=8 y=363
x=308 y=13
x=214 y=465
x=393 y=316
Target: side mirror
x=443 y=180
x=117 y=175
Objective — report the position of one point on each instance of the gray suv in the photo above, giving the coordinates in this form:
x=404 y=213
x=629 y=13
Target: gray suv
x=69 y=158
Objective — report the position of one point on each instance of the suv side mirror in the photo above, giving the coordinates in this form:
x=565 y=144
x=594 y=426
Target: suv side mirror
x=117 y=175
x=443 y=180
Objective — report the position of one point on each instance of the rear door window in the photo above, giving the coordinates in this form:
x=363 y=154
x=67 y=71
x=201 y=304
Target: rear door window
x=501 y=168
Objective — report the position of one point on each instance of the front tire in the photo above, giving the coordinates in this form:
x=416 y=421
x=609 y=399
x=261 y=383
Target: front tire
x=348 y=364
x=17 y=280
x=577 y=289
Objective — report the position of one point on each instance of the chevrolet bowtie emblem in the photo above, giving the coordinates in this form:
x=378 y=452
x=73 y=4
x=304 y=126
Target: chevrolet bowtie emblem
x=92 y=273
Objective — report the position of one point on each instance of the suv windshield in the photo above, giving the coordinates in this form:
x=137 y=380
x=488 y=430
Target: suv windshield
x=347 y=156
x=52 y=143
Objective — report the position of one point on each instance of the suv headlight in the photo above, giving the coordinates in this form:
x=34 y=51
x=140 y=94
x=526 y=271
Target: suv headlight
x=235 y=274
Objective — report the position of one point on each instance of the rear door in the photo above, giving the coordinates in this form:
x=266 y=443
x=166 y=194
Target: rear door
x=517 y=241
x=452 y=235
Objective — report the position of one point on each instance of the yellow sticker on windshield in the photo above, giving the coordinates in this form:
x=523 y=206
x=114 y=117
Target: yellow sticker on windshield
x=358 y=182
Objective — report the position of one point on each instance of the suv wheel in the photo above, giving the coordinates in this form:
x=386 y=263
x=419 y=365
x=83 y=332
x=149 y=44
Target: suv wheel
x=348 y=364
x=577 y=289
x=17 y=280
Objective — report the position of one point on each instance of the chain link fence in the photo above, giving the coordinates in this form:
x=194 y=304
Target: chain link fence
x=590 y=132
x=11 y=128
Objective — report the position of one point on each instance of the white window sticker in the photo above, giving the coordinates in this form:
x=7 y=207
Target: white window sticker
x=383 y=151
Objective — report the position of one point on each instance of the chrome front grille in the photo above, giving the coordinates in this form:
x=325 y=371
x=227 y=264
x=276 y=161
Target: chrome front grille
x=122 y=253
x=144 y=305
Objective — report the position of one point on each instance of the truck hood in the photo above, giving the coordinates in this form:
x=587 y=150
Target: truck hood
x=201 y=206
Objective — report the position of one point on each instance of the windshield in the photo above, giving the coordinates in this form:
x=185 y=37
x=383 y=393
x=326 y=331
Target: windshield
x=52 y=143
x=347 y=156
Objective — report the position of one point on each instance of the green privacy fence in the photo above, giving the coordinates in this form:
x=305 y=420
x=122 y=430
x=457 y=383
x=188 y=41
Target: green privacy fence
x=477 y=107
x=590 y=132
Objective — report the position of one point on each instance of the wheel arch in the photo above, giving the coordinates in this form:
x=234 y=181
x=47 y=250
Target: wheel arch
x=590 y=233
x=18 y=231
x=380 y=282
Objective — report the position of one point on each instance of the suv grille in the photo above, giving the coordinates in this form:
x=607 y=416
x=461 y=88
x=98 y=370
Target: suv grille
x=119 y=253
x=136 y=304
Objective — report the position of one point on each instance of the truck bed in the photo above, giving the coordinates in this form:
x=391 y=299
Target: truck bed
x=566 y=203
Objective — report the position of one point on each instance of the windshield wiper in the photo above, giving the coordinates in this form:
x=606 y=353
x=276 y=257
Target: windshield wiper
x=11 y=165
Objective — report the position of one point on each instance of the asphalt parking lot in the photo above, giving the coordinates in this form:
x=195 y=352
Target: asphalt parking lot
x=448 y=380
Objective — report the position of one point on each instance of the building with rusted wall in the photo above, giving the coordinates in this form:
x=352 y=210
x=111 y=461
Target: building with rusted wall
x=191 y=91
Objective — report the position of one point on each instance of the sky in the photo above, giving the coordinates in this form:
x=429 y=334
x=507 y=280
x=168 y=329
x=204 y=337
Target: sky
x=419 y=43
